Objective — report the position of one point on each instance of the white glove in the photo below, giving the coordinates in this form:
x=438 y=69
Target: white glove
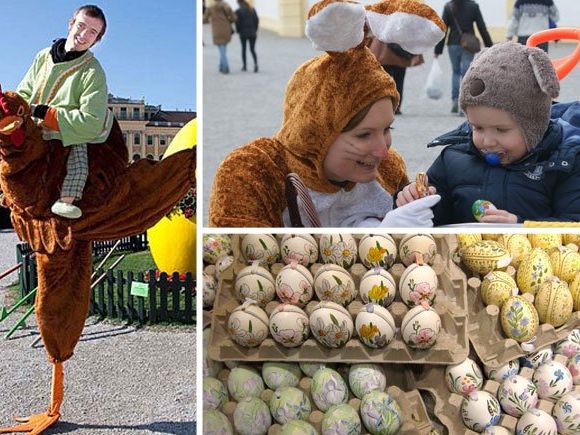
x=414 y=214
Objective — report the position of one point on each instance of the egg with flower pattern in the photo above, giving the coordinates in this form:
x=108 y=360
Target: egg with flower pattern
x=420 y=327
x=381 y=414
x=375 y=326
x=260 y=247
x=418 y=284
x=518 y=245
x=533 y=271
x=334 y=283
x=377 y=250
x=295 y=284
x=413 y=244
x=566 y=412
x=339 y=249
x=553 y=380
x=517 y=395
x=256 y=283
x=519 y=318
x=497 y=287
x=328 y=388
x=331 y=324
x=301 y=248
x=554 y=302
x=378 y=286
x=485 y=256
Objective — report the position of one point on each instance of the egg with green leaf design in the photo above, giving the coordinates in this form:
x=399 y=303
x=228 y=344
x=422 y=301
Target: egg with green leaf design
x=519 y=319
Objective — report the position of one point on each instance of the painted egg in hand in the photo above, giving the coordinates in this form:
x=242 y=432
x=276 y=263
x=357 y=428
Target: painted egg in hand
x=479 y=208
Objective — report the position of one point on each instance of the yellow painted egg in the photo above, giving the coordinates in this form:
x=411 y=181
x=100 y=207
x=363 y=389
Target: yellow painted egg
x=517 y=245
x=519 y=319
x=534 y=269
x=571 y=238
x=466 y=240
x=575 y=291
x=486 y=256
x=497 y=287
x=494 y=237
x=545 y=241
x=554 y=302
x=565 y=263
x=413 y=244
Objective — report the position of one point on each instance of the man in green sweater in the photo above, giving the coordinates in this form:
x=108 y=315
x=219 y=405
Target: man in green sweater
x=66 y=88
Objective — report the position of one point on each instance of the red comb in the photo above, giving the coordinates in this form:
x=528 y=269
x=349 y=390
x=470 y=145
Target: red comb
x=4 y=103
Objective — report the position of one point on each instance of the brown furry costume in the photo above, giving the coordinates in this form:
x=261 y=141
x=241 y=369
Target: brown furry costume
x=118 y=201
x=322 y=96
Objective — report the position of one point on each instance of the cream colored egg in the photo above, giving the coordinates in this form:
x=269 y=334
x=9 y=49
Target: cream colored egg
x=486 y=256
x=216 y=246
x=210 y=287
x=295 y=284
x=377 y=250
x=418 y=283
x=554 y=302
x=334 y=283
x=545 y=241
x=519 y=319
x=255 y=282
x=261 y=247
x=339 y=249
x=289 y=325
x=493 y=237
x=565 y=263
x=331 y=324
x=378 y=286
x=536 y=421
x=413 y=244
x=566 y=412
x=553 y=380
x=248 y=324
x=375 y=326
x=464 y=378
x=420 y=327
x=575 y=291
x=480 y=410
x=466 y=240
x=571 y=238
x=301 y=248
x=534 y=269
x=497 y=287
x=517 y=245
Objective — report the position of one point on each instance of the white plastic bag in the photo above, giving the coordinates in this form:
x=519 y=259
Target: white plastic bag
x=434 y=87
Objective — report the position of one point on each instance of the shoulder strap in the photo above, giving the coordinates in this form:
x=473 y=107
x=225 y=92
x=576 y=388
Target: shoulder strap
x=295 y=188
x=455 y=19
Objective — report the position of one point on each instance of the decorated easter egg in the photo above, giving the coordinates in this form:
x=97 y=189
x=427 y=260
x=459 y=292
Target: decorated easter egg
x=339 y=249
x=518 y=246
x=280 y=374
x=566 y=412
x=245 y=381
x=209 y=290
x=331 y=324
x=215 y=422
x=298 y=427
x=420 y=327
x=309 y=368
x=364 y=378
x=377 y=250
x=252 y=417
x=299 y=248
x=480 y=410
x=554 y=302
x=553 y=380
x=333 y=283
x=210 y=366
x=575 y=291
x=260 y=247
x=214 y=393
x=496 y=430
x=375 y=326
x=491 y=236
x=413 y=244
x=570 y=346
x=479 y=207
x=545 y=241
x=289 y=325
x=341 y=419
x=378 y=286
x=500 y=374
x=485 y=256
x=216 y=246
x=571 y=238
x=497 y=287
x=328 y=388
x=533 y=271
x=517 y=395
x=519 y=318
x=574 y=367
x=565 y=263
x=536 y=359
x=536 y=421
x=381 y=414
x=466 y=240
x=295 y=284
x=418 y=284
x=464 y=378
x=289 y=403
x=256 y=283
x=248 y=324
x=222 y=264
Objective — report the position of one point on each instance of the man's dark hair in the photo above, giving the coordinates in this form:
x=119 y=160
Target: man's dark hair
x=94 y=12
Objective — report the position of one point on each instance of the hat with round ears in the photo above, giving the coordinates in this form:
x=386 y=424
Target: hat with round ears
x=326 y=92
x=518 y=79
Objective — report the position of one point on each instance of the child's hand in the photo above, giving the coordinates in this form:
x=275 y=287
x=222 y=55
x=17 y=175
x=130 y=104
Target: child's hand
x=499 y=217
x=410 y=194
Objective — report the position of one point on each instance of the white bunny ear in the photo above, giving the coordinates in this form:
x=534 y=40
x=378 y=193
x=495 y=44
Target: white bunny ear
x=335 y=26
x=544 y=72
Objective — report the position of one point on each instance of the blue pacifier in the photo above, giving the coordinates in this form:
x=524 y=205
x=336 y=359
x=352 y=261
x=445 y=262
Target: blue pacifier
x=492 y=159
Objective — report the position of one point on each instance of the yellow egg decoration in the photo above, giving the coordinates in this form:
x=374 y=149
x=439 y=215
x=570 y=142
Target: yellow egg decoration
x=534 y=269
x=575 y=291
x=565 y=263
x=517 y=245
x=554 y=302
x=571 y=238
x=545 y=241
x=519 y=319
x=497 y=287
x=494 y=237
x=466 y=240
x=172 y=240
x=485 y=256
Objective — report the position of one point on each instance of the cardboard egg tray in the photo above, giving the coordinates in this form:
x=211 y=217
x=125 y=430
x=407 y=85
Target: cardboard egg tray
x=415 y=418
x=451 y=305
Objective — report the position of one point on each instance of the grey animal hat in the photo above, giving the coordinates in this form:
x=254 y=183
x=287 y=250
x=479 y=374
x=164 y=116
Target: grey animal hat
x=518 y=79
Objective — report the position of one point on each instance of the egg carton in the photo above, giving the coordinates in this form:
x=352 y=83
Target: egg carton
x=451 y=304
x=415 y=418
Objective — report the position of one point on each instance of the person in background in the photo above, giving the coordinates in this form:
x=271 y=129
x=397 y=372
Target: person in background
x=247 y=27
x=531 y=16
x=221 y=16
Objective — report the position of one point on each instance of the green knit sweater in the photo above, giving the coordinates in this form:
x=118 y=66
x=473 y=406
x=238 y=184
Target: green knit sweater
x=77 y=89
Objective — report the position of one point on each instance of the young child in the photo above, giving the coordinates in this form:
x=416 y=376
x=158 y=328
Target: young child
x=516 y=150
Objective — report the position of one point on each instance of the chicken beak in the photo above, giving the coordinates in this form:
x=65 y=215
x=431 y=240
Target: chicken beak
x=9 y=124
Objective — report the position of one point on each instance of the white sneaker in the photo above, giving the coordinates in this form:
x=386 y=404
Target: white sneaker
x=66 y=210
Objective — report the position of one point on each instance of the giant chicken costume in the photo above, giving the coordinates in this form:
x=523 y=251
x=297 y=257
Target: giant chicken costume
x=118 y=201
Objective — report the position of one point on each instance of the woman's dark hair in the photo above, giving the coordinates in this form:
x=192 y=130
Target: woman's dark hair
x=94 y=12
x=244 y=4
x=357 y=119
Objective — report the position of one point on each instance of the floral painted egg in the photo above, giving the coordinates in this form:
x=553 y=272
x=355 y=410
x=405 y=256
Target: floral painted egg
x=331 y=324
x=364 y=378
x=260 y=247
x=289 y=403
x=339 y=249
x=381 y=414
x=536 y=359
x=280 y=374
x=575 y=291
x=298 y=427
x=571 y=239
x=519 y=319
x=309 y=368
x=299 y=248
x=480 y=410
x=496 y=430
x=518 y=246
x=464 y=378
x=216 y=246
x=485 y=256
x=497 y=287
x=517 y=395
x=533 y=271
x=328 y=388
x=256 y=283
x=413 y=244
x=574 y=367
x=536 y=421
x=378 y=286
x=466 y=240
x=216 y=423
x=554 y=302
x=214 y=393
x=377 y=250
x=333 y=283
x=244 y=381
x=252 y=417
x=248 y=324
x=295 y=284
x=565 y=263
x=570 y=346
x=209 y=290
x=553 y=380
x=341 y=419
x=417 y=284
x=500 y=374
x=566 y=412
x=375 y=326
x=545 y=241
x=210 y=367
x=222 y=264
x=420 y=327
x=289 y=325
x=479 y=207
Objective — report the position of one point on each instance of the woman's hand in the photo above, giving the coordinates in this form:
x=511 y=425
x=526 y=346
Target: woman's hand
x=499 y=217
x=410 y=194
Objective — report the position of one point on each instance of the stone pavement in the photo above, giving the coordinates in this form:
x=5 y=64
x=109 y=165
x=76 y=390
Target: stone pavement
x=242 y=106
